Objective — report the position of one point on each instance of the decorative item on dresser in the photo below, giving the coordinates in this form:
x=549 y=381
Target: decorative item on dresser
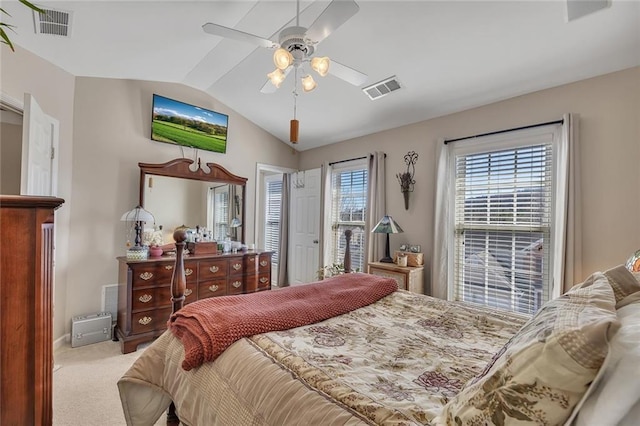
x=26 y=309
x=144 y=288
x=408 y=277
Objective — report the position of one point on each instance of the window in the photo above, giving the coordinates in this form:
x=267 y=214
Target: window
x=348 y=211
x=502 y=197
x=220 y=208
x=273 y=202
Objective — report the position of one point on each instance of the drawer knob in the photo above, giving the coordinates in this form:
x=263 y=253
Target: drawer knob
x=236 y=284
x=145 y=298
x=213 y=288
x=146 y=276
x=188 y=271
x=214 y=269
x=236 y=266
x=187 y=292
x=145 y=320
x=264 y=280
x=252 y=259
x=168 y=267
x=263 y=263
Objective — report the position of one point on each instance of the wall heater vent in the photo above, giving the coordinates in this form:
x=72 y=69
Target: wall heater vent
x=53 y=22
x=382 y=88
x=110 y=300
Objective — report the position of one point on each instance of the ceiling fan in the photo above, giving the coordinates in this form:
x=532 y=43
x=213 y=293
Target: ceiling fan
x=296 y=45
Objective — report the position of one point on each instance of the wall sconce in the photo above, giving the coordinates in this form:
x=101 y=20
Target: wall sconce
x=406 y=178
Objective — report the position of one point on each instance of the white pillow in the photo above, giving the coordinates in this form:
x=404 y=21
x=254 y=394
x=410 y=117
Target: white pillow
x=616 y=395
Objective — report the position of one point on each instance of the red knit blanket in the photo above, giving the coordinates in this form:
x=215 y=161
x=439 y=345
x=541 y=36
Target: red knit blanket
x=207 y=327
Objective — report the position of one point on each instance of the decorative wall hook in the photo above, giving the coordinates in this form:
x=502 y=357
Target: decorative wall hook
x=406 y=178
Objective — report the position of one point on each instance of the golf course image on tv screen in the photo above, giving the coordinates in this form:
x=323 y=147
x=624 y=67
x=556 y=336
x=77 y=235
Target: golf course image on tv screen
x=188 y=125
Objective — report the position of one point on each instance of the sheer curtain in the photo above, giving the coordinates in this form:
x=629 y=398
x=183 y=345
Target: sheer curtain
x=376 y=204
x=283 y=239
x=443 y=228
x=566 y=240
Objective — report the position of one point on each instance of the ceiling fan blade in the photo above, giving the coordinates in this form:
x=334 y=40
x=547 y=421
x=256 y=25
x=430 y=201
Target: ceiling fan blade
x=227 y=32
x=337 y=13
x=268 y=87
x=348 y=74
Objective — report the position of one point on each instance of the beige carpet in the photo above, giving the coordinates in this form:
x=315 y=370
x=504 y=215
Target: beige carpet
x=84 y=384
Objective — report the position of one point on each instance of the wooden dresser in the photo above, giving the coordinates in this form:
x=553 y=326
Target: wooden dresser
x=26 y=309
x=144 y=288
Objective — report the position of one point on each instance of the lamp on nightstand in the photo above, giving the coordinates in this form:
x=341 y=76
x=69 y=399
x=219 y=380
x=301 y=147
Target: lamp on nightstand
x=387 y=226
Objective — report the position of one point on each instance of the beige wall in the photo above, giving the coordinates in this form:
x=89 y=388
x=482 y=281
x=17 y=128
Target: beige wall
x=111 y=136
x=22 y=72
x=609 y=109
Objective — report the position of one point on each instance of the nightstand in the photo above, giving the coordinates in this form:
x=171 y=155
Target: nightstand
x=408 y=277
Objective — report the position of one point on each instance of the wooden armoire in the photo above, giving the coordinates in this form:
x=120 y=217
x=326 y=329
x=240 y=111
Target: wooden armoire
x=26 y=309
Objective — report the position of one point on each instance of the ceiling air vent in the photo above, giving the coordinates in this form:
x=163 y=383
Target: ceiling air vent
x=54 y=22
x=382 y=88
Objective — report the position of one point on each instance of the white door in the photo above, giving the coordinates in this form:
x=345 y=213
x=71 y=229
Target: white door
x=39 y=145
x=304 y=247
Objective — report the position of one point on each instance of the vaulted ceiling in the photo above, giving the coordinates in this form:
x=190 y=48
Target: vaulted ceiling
x=447 y=55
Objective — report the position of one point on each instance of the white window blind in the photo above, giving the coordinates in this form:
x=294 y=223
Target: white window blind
x=273 y=202
x=503 y=218
x=220 y=202
x=348 y=211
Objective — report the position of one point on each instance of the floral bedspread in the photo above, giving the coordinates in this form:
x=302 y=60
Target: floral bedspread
x=397 y=361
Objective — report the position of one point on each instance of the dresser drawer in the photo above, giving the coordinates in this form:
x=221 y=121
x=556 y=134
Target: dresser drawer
x=264 y=263
x=235 y=285
x=150 y=298
x=250 y=263
x=236 y=266
x=212 y=288
x=146 y=321
x=257 y=282
x=151 y=274
x=209 y=269
x=190 y=293
x=191 y=271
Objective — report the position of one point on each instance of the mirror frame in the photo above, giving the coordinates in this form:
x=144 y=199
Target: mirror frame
x=180 y=168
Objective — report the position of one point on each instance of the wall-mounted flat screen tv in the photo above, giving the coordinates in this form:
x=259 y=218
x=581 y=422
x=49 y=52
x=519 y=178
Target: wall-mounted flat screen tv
x=188 y=125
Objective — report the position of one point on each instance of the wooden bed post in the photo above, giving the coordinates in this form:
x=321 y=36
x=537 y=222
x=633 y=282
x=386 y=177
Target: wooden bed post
x=178 y=286
x=347 y=252
x=179 y=281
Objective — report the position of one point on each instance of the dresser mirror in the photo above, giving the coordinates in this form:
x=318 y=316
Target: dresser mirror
x=209 y=197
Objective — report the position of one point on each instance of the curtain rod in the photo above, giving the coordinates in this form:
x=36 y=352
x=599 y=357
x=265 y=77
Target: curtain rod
x=352 y=159
x=504 y=131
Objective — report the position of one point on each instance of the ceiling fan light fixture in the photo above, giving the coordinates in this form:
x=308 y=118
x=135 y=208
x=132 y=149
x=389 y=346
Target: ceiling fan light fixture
x=282 y=58
x=276 y=77
x=308 y=83
x=321 y=65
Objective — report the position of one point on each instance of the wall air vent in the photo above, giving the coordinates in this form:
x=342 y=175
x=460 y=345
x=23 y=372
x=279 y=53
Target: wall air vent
x=53 y=22
x=382 y=88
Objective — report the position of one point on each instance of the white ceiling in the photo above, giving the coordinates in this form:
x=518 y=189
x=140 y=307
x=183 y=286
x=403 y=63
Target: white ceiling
x=449 y=55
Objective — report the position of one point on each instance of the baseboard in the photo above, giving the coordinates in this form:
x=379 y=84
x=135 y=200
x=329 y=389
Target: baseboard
x=61 y=341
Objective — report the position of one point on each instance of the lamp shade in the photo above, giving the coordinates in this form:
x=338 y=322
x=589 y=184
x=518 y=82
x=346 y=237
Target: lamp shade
x=320 y=65
x=138 y=214
x=235 y=222
x=276 y=77
x=308 y=83
x=282 y=58
x=387 y=226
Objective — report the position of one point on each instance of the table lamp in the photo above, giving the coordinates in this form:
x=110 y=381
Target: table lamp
x=137 y=216
x=387 y=226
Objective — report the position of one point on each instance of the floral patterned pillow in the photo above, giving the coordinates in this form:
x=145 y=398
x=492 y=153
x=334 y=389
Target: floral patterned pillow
x=545 y=368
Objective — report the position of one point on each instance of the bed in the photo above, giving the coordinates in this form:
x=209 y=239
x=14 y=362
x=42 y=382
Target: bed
x=362 y=352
